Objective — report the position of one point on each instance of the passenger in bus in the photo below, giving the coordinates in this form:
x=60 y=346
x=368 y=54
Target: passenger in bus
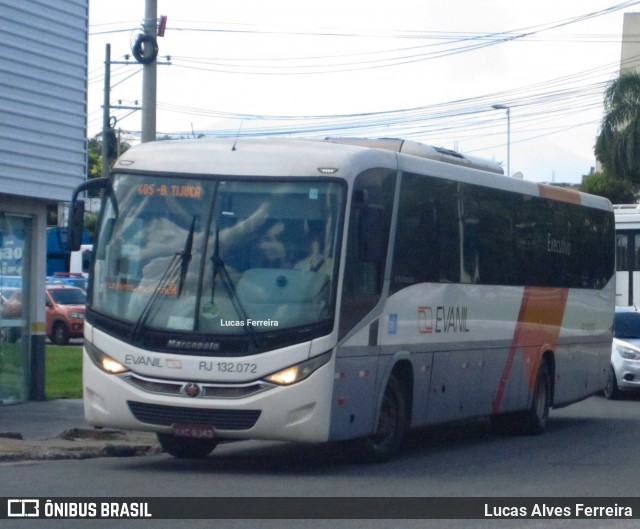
x=272 y=252
x=238 y=233
x=315 y=261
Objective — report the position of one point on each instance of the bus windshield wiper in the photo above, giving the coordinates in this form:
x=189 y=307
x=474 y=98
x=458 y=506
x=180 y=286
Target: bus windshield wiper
x=176 y=270
x=185 y=256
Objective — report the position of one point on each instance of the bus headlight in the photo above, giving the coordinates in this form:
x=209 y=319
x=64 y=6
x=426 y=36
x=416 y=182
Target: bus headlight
x=103 y=361
x=298 y=372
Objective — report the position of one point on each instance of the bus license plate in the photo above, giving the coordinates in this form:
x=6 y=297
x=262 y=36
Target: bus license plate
x=194 y=431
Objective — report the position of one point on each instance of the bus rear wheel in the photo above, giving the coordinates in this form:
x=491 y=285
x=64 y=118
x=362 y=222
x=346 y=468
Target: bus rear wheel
x=534 y=420
x=186 y=447
x=392 y=427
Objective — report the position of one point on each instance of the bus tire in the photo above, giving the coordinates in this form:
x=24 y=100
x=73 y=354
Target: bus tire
x=534 y=420
x=186 y=447
x=392 y=427
x=611 y=390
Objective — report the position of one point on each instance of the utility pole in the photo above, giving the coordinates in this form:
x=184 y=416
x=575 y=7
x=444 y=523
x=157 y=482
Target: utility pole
x=106 y=106
x=508 y=109
x=145 y=52
x=149 y=75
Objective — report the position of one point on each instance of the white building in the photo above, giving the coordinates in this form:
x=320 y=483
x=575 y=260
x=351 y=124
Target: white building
x=630 y=55
x=43 y=89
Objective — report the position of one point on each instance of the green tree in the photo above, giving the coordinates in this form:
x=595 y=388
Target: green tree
x=94 y=154
x=90 y=224
x=617 y=190
x=618 y=144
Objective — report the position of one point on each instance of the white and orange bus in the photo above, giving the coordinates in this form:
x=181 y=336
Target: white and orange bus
x=334 y=290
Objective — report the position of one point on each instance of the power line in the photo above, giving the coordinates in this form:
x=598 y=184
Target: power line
x=445 y=45
x=569 y=96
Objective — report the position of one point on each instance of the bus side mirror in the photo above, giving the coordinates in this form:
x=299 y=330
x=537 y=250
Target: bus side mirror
x=76 y=225
x=371 y=237
x=76 y=211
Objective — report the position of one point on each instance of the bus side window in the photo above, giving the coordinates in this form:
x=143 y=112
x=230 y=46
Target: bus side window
x=364 y=276
x=622 y=252
x=428 y=234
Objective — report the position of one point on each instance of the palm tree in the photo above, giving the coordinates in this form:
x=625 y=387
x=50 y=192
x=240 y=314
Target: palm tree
x=618 y=145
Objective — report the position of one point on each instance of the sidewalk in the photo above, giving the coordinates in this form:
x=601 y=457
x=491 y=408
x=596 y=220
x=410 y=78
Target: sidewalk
x=56 y=429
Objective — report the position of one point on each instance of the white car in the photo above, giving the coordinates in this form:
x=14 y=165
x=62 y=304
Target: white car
x=624 y=373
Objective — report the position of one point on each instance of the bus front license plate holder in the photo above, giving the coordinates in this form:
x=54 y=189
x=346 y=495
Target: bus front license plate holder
x=194 y=431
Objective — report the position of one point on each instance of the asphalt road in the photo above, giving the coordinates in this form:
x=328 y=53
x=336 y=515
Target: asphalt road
x=589 y=450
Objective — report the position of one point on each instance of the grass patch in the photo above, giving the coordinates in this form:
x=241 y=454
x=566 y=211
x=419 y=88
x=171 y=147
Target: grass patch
x=63 y=371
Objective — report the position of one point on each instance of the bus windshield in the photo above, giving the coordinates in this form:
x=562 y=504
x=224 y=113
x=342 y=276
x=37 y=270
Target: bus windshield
x=231 y=257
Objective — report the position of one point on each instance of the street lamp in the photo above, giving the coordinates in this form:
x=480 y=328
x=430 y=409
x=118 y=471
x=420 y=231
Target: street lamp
x=508 y=109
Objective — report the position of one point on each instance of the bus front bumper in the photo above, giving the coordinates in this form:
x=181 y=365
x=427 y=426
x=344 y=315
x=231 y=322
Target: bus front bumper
x=299 y=412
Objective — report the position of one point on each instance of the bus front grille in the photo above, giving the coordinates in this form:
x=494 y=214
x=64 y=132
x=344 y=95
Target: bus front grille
x=209 y=391
x=163 y=415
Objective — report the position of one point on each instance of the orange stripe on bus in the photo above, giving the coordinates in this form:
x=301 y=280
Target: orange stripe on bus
x=559 y=193
x=537 y=331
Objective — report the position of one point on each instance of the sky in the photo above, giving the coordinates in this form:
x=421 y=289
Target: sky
x=424 y=70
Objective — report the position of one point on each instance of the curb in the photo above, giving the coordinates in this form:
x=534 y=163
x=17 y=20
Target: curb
x=78 y=443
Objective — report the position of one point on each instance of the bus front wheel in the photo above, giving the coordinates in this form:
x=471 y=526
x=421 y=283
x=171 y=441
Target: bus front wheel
x=186 y=447
x=391 y=429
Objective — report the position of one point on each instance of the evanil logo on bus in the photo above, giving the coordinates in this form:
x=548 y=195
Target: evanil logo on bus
x=442 y=319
